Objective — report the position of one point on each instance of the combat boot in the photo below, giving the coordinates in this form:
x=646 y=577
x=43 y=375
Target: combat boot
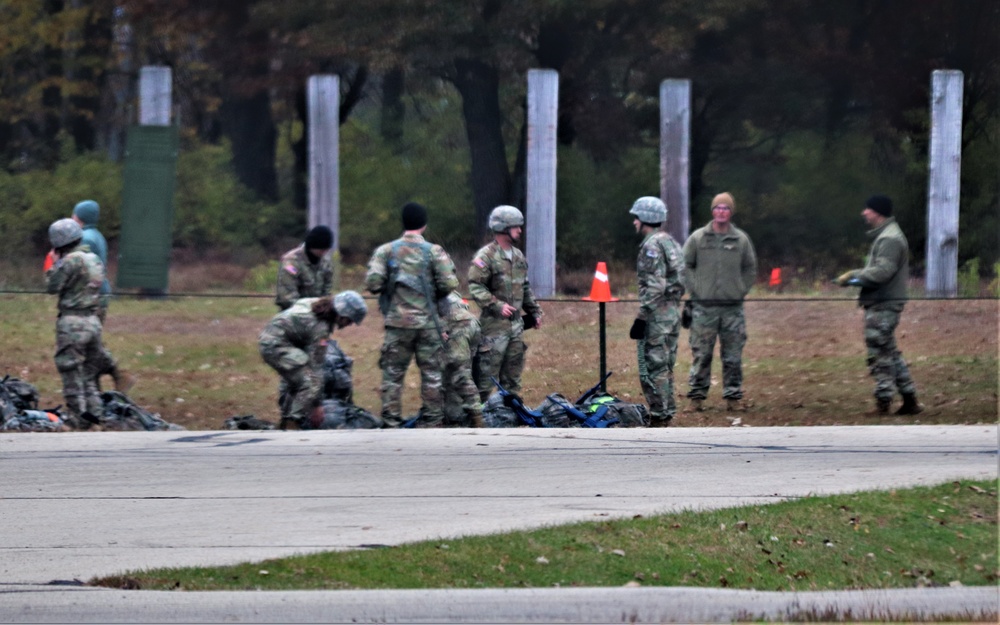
x=289 y=424
x=881 y=406
x=735 y=405
x=696 y=405
x=660 y=423
x=124 y=381
x=910 y=405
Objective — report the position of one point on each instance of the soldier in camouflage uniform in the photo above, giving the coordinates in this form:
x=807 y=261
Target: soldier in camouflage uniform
x=294 y=344
x=87 y=213
x=883 y=296
x=720 y=267
x=307 y=270
x=410 y=276
x=76 y=277
x=498 y=282
x=659 y=269
x=461 y=397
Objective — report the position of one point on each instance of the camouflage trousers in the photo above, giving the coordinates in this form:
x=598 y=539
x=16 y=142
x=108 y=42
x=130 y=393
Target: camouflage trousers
x=657 y=354
x=401 y=345
x=501 y=355
x=462 y=407
x=78 y=354
x=301 y=382
x=729 y=325
x=885 y=362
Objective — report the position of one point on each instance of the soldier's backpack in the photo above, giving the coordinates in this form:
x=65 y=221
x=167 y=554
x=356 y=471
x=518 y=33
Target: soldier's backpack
x=337 y=383
x=628 y=415
x=35 y=421
x=497 y=414
x=121 y=414
x=342 y=415
x=16 y=395
x=247 y=422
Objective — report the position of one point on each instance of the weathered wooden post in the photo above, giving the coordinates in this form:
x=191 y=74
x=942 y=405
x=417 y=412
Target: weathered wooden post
x=675 y=141
x=943 y=183
x=540 y=212
x=324 y=156
x=155 y=83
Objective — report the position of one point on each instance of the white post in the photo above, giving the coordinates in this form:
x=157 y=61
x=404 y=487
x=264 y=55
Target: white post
x=540 y=213
x=675 y=141
x=324 y=156
x=943 y=183
x=155 y=95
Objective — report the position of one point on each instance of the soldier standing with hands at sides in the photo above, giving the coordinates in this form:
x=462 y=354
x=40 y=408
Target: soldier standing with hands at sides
x=76 y=276
x=883 y=296
x=307 y=270
x=720 y=266
x=294 y=344
x=411 y=277
x=659 y=271
x=498 y=282
x=86 y=214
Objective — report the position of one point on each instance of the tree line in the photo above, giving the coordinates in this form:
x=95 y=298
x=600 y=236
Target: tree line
x=800 y=108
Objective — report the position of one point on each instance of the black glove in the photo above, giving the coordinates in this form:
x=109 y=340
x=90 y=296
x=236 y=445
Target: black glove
x=687 y=315
x=529 y=321
x=638 y=331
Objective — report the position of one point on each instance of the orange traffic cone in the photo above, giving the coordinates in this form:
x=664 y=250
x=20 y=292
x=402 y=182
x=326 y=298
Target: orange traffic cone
x=600 y=289
x=50 y=259
x=775 y=281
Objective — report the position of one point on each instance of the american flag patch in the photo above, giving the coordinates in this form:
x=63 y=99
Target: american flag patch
x=291 y=269
x=478 y=262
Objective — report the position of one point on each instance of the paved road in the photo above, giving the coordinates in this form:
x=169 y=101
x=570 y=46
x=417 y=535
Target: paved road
x=79 y=505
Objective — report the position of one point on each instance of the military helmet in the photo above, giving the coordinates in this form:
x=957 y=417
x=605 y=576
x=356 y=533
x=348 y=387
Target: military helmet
x=64 y=231
x=504 y=217
x=649 y=210
x=350 y=304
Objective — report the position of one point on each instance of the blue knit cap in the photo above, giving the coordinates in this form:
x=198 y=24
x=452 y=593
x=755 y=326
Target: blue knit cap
x=88 y=211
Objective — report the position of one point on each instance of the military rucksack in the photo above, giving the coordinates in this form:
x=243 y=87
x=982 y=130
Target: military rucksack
x=341 y=415
x=16 y=395
x=121 y=414
x=247 y=422
x=337 y=382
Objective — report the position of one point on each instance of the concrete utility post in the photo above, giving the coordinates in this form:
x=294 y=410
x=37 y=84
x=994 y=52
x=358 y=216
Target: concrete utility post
x=324 y=155
x=540 y=213
x=943 y=183
x=675 y=141
x=155 y=95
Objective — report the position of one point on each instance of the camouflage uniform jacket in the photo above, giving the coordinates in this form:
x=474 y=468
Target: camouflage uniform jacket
x=77 y=279
x=720 y=267
x=887 y=270
x=297 y=277
x=298 y=327
x=495 y=280
x=409 y=307
x=660 y=272
x=463 y=325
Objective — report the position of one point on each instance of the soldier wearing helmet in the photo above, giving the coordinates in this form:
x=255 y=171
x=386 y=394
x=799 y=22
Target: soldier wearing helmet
x=659 y=270
x=720 y=267
x=294 y=344
x=498 y=282
x=76 y=276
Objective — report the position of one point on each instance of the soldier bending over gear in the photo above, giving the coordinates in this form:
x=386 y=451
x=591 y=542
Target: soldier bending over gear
x=294 y=344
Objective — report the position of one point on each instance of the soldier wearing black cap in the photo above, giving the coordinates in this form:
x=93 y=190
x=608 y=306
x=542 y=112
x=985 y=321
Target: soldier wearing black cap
x=883 y=296
x=410 y=276
x=306 y=271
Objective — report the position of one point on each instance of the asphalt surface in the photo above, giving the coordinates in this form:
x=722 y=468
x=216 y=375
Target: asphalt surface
x=78 y=505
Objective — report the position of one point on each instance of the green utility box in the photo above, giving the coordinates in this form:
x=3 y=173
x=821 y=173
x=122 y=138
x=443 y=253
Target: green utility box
x=147 y=209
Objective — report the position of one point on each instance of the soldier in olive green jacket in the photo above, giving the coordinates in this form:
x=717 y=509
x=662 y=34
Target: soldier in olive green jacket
x=883 y=296
x=498 y=282
x=411 y=276
x=307 y=270
x=76 y=277
x=720 y=267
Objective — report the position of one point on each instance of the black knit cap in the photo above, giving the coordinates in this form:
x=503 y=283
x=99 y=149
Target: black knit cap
x=414 y=216
x=880 y=204
x=319 y=238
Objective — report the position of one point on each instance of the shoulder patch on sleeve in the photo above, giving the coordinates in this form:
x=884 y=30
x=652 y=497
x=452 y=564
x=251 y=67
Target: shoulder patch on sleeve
x=290 y=268
x=651 y=252
x=479 y=262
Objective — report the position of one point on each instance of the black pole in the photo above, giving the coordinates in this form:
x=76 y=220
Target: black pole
x=604 y=361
